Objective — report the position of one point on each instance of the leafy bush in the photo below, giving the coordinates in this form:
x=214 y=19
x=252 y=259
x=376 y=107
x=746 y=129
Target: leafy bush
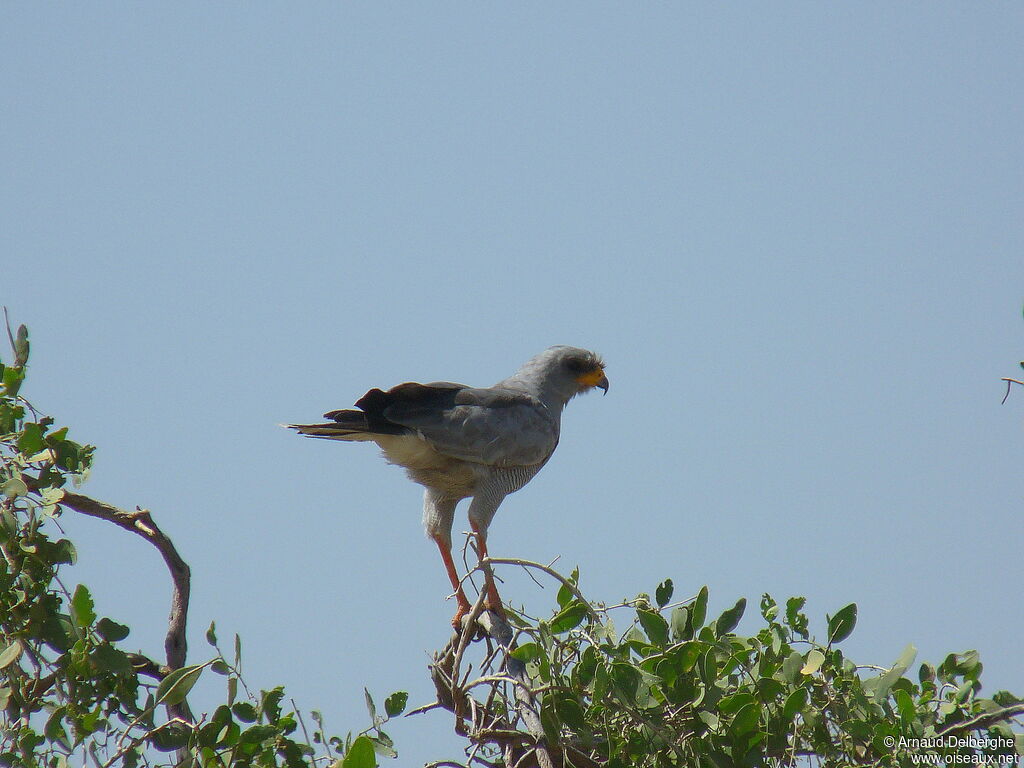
x=675 y=689
x=672 y=689
x=68 y=687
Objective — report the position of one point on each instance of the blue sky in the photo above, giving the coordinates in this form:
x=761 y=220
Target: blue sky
x=795 y=233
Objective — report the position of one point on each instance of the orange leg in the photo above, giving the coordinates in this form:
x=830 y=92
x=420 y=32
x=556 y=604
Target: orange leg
x=453 y=575
x=493 y=598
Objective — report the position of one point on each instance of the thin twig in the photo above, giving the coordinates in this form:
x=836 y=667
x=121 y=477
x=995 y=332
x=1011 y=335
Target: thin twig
x=550 y=572
x=141 y=739
x=424 y=708
x=302 y=722
x=1008 y=383
x=468 y=630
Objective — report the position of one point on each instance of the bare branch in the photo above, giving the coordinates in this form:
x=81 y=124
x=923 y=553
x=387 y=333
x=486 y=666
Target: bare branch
x=141 y=523
x=550 y=572
x=1009 y=382
x=984 y=720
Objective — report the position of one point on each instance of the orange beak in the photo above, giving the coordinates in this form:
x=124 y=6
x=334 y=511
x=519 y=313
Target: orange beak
x=594 y=378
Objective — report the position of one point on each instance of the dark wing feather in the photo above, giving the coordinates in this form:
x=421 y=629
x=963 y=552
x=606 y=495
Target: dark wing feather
x=497 y=427
x=376 y=404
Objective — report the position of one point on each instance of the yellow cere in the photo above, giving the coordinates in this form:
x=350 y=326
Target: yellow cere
x=591 y=378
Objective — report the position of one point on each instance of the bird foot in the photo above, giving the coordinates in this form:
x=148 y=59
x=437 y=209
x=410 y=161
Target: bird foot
x=458 y=620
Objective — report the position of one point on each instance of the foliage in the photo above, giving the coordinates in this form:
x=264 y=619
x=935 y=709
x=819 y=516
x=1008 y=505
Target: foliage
x=678 y=689
x=69 y=690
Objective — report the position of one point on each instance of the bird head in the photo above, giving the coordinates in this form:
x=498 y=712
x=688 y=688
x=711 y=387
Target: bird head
x=564 y=372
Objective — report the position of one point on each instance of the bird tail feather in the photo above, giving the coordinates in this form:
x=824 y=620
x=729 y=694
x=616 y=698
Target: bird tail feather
x=333 y=431
x=349 y=425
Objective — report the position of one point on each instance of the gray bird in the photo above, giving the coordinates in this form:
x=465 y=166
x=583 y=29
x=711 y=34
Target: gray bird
x=461 y=442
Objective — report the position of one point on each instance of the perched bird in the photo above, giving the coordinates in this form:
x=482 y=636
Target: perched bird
x=461 y=442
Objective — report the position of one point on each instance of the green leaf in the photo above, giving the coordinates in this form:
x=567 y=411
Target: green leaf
x=82 y=608
x=684 y=656
x=569 y=711
x=815 y=659
x=394 y=704
x=50 y=495
x=370 y=706
x=663 y=593
x=841 y=625
x=698 y=611
x=882 y=684
x=175 y=687
x=564 y=593
x=382 y=745
x=564 y=596
x=270 y=703
x=21 y=347
x=795 y=702
x=710 y=719
x=65 y=552
x=111 y=631
x=211 y=634
x=526 y=652
x=625 y=680
x=729 y=619
x=905 y=706
x=54 y=728
x=654 y=626
x=569 y=617
x=769 y=608
x=31 y=440
x=791 y=666
x=794 y=618
x=678 y=620
x=171 y=737
x=10 y=654
x=14 y=487
x=257 y=734
x=746 y=720
x=13 y=377
x=245 y=712
x=734 y=703
x=768 y=688
x=107 y=658
x=549 y=721
x=708 y=668
x=360 y=754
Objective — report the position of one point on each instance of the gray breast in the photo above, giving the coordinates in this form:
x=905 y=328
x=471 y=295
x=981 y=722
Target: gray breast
x=511 y=479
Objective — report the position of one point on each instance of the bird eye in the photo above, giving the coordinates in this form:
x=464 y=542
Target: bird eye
x=576 y=365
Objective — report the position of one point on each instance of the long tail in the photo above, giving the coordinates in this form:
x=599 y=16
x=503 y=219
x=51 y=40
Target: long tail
x=348 y=425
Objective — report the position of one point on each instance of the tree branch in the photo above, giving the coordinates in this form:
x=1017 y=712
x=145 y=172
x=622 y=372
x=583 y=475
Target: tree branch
x=984 y=720
x=1009 y=383
x=550 y=572
x=141 y=523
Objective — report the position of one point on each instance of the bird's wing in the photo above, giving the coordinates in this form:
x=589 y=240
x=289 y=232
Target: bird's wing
x=496 y=427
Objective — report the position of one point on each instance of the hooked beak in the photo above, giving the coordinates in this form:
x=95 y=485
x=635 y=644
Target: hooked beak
x=594 y=378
